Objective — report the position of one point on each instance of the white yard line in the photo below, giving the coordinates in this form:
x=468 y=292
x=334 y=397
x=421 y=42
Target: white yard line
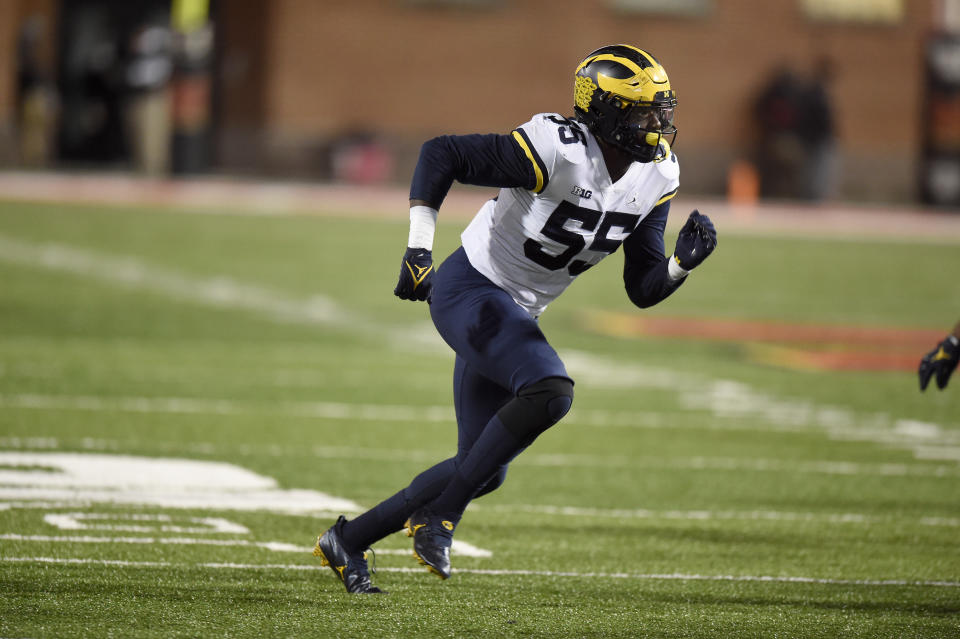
x=460 y=548
x=275 y=546
x=721 y=515
x=716 y=397
x=133 y=272
x=640 y=462
x=357 y=411
x=735 y=408
x=208 y=406
x=219 y=291
x=520 y=573
x=609 y=513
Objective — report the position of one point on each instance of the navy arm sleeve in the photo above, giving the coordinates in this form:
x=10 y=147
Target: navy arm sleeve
x=644 y=264
x=479 y=159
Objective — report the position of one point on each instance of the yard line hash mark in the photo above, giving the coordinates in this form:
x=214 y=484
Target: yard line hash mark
x=143 y=523
x=523 y=573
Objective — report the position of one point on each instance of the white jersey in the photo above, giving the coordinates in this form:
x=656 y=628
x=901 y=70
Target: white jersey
x=534 y=243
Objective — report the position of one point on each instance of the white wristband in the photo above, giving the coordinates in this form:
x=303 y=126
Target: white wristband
x=953 y=340
x=674 y=270
x=423 y=223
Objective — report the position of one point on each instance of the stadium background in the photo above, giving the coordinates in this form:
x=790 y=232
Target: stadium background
x=202 y=363
x=288 y=84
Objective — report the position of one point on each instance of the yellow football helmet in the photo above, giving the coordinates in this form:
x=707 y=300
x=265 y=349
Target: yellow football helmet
x=623 y=95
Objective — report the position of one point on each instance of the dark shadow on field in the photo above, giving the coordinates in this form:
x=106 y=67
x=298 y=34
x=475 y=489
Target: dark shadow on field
x=173 y=590
x=758 y=536
x=715 y=533
x=885 y=605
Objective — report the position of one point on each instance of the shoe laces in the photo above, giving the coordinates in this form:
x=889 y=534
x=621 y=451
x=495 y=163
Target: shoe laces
x=359 y=562
x=373 y=563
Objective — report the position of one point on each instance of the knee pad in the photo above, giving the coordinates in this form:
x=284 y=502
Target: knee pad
x=537 y=407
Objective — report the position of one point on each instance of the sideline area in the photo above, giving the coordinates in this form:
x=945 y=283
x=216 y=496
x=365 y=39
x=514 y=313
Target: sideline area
x=248 y=196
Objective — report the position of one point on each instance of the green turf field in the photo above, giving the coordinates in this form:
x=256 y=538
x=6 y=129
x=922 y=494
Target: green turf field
x=187 y=400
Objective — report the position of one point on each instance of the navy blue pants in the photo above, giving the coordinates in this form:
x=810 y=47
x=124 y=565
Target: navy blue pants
x=491 y=333
x=499 y=350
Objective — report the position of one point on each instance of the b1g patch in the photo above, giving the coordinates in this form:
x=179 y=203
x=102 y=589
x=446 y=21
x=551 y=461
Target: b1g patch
x=581 y=192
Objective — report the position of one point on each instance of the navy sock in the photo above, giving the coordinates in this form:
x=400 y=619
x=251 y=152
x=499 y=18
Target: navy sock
x=495 y=447
x=388 y=516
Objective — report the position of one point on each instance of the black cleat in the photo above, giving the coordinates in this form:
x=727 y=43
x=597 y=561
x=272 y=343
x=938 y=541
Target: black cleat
x=432 y=537
x=351 y=569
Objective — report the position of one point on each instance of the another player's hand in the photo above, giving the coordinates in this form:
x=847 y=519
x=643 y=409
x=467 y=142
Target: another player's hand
x=942 y=360
x=416 y=275
x=696 y=241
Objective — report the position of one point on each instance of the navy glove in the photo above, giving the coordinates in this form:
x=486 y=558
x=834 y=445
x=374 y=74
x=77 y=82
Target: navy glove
x=696 y=241
x=942 y=360
x=416 y=275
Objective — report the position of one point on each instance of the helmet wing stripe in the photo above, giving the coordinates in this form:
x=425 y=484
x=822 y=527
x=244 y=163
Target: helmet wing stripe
x=646 y=56
x=619 y=59
x=539 y=168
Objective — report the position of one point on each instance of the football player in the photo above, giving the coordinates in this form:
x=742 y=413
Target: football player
x=942 y=360
x=572 y=190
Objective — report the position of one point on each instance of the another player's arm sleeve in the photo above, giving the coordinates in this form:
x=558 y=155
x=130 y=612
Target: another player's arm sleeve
x=481 y=159
x=645 y=267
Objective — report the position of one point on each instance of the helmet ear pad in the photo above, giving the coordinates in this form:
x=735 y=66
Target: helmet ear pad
x=606 y=117
x=601 y=116
x=606 y=120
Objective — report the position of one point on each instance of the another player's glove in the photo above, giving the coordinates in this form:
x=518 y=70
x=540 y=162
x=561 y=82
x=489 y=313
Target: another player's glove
x=695 y=242
x=942 y=360
x=416 y=275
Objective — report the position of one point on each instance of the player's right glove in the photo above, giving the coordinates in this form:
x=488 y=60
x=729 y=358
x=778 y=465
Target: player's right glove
x=695 y=242
x=416 y=275
x=942 y=360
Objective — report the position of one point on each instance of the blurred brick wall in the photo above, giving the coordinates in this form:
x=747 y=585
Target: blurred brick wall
x=8 y=79
x=294 y=75
x=409 y=72
x=245 y=29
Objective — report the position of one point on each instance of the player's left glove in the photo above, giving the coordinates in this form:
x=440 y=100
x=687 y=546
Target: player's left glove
x=416 y=275
x=942 y=360
x=695 y=242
